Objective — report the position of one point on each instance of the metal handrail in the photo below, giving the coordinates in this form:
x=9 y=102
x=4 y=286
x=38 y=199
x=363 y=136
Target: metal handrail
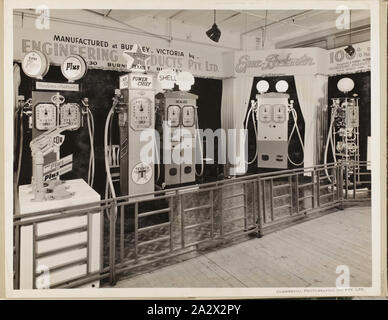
x=261 y=217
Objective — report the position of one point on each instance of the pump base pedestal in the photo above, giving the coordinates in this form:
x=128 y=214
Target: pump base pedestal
x=272 y=154
x=83 y=195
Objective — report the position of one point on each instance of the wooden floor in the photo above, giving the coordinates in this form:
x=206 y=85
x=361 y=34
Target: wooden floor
x=303 y=255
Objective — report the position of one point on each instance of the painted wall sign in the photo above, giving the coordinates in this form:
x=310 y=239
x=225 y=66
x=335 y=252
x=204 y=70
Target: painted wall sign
x=279 y=62
x=109 y=53
x=57 y=86
x=339 y=62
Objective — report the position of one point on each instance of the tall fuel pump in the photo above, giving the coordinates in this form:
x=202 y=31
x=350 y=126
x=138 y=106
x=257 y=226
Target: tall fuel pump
x=134 y=104
x=178 y=128
x=53 y=105
x=343 y=134
x=270 y=114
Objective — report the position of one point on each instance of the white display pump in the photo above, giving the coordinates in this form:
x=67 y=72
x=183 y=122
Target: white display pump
x=48 y=110
x=270 y=115
x=178 y=127
x=343 y=134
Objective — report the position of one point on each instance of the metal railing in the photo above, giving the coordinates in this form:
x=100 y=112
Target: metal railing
x=139 y=231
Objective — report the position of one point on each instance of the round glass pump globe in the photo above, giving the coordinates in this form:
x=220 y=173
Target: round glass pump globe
x=281 y=86
x=345 y=85
x=262 y=86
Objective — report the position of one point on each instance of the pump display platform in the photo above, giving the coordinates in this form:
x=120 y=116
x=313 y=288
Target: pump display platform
x=64 y=248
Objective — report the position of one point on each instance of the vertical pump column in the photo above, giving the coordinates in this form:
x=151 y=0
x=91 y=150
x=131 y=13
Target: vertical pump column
x=137 y=114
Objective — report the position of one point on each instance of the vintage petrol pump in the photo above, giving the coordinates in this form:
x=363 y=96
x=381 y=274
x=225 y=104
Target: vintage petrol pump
x=270 y=116
x=177 y=111
x=134 y=104
x=343 y=134
x=136 y=114
x=56 y=105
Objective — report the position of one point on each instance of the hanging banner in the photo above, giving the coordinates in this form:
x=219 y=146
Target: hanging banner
x=109 y=53
x=339 y=62
x=280 y=62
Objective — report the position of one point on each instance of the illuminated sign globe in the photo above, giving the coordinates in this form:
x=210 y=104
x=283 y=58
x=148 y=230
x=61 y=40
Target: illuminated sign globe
x=262 y=86
x=35 y=64
x=74 y=67
x=185 y=80
x=345 y=85
x=281 y=86
x=167 y=79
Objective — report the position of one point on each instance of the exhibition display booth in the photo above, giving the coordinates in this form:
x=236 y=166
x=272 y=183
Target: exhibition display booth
x=141 y=151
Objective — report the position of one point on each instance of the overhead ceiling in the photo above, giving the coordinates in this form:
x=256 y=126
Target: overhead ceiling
x=234 y=21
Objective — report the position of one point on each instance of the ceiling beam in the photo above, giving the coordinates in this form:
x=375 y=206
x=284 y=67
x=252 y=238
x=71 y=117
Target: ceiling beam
x=230 y=17
x=283 y=20
x=176 y=14
x=128 y=25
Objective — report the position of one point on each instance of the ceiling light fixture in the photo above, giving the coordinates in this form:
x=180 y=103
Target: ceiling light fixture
x=350 y=49
x=214 y=33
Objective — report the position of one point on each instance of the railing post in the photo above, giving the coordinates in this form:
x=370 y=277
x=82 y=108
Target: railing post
x=16 y=260
x=112 y=244
x=211 y=196
x=259 y=212
x=340 y=185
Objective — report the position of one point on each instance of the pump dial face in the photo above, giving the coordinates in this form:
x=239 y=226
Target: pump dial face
x=45 y=116
x=188 y=116
x=141 y=113
x=265 y=113
x=70 y=114
x=279 y=112
x=173 y=115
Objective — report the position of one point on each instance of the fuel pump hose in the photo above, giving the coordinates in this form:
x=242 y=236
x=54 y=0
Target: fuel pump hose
x=295 y=128
x=199 y=143
x=106 y=151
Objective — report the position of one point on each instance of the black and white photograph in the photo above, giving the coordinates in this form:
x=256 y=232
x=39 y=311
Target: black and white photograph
x=193 y=149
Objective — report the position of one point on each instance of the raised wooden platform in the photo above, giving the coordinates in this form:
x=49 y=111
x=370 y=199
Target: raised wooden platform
x=304 y=255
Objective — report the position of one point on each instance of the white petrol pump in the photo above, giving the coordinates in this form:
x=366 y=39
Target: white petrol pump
x=343 y=134
x=178 y=127
x=137 y=108
x=50 y=113
x=136 y=113
x=270 y=115
x=134 y=103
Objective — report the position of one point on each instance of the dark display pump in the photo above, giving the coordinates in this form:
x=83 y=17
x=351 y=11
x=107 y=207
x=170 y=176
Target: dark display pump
x=270 y=115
